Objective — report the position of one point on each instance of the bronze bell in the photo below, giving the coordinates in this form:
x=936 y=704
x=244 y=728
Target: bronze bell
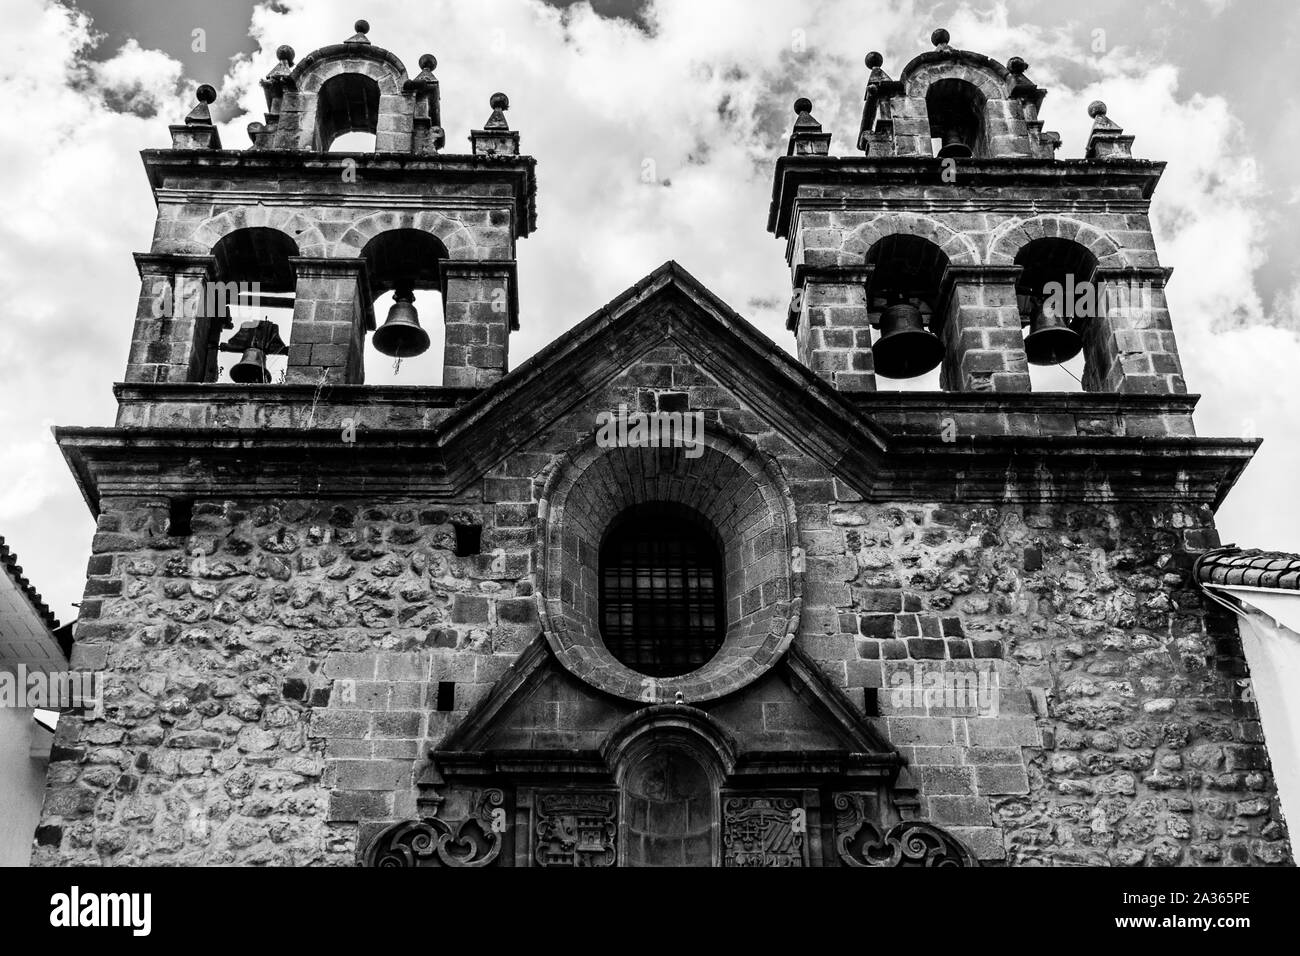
x=1050 y=341
x=954 y=147
x=906 y=348
x=251 y=369
x=401 y=336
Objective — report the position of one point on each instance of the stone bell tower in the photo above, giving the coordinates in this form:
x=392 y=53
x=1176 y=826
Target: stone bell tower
x=213 y=480
x=944 y=235
x=958 y=238
x=330 y=232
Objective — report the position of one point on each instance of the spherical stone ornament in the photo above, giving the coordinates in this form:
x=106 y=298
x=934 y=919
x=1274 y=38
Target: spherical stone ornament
x=284 y=53
x=361 y=26
x=1096 y=108
x=803 y=105
x=1017 y=66
x=940 y=37
x=428 y=62
x=874 y=60
x=205 y=93
x=499 y=101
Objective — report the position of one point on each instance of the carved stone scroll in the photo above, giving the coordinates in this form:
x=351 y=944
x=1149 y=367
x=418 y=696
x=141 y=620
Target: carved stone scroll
x=474 y=841
x=859 y=840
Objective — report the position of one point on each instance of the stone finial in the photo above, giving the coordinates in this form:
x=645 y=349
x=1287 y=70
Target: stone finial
x=940 y=39
x=495 y=138
x=283 y=68
x=1107 y=140
x=362 y=28
x=1021 y=86
x=1097 y=110
x=198 y=131
x=875 y=63
x=499 y=103
x=201 y=115
x=807 y=138
x=803 y=114
x=426 y=135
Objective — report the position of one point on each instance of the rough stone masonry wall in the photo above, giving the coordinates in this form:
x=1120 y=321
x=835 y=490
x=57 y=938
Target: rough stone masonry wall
x=1124 y=731
x=272 y=680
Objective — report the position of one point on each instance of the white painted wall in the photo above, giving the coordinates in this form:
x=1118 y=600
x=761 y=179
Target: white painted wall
x=22 y=782
x=1273 y=655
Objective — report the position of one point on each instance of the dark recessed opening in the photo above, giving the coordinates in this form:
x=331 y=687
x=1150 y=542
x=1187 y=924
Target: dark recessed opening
x=662 y=600
x=446 y=695
x=469 y=539
x=179 y=515
x=346 y=103
x=870 y=702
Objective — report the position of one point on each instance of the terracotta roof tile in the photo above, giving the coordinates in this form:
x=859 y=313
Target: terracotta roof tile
x=1250 y=568
x=9 y=561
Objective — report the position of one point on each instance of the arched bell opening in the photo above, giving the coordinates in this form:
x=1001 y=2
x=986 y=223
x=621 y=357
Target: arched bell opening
x=1057 y=295
x=250 y=307
x=903 y=299
x=347 y=114
x=956 y=111
x=406 y=347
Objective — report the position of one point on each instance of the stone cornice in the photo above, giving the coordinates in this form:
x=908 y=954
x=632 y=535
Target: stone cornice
x=1137 y=178
x=263 y=171
x=135 y=462
x=169 y=263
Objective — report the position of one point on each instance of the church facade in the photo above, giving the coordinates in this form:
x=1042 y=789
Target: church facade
x=663 y=594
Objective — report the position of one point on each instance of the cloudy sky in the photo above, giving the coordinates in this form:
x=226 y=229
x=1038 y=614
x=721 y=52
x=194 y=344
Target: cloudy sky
x=697 y=93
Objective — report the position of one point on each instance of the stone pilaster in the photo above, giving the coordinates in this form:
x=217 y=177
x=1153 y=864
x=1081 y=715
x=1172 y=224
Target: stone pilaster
x=332 y=311
x=172 y=325
x=1130 y=344
x=983 y=341
x=829 y=317
x=481 y=304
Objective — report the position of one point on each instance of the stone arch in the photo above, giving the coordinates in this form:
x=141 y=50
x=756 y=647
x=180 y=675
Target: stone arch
x=739 y=489
x=380 y=65
x=986 y=74
x=959 y=249
x=669 y=720
x=305 y=233
x=1010 y=237
x=347 y=87
x=448 y=230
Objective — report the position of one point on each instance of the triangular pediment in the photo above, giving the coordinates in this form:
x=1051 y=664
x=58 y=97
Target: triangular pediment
x=539 y=714
x=625 y=342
